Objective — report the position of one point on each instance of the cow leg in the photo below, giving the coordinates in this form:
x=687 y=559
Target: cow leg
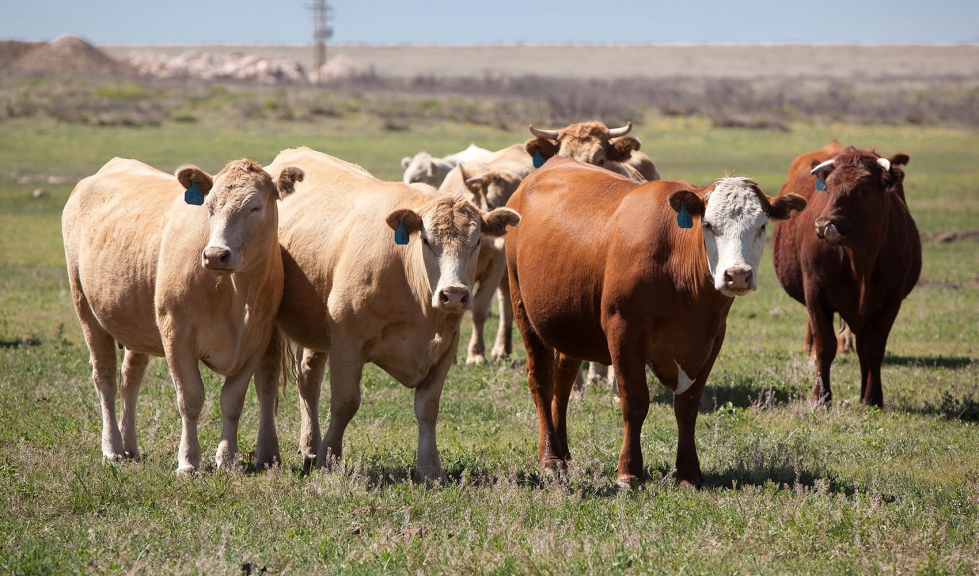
x=346 y=369
x=232 y=402
x=871 y=345
x=102 y=347
x=844 y=339
x=628 y=358
x=807 y=343
x=427 y=397
x=312 y=367
x=267 y=375
x=504 y=335
x=133 y=369
x=540 y=381
x=482 y=303
x=190 y=401
x=567 y=371
x=824 y=346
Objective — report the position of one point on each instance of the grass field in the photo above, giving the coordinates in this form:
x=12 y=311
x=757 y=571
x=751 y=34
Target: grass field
x=848 y=490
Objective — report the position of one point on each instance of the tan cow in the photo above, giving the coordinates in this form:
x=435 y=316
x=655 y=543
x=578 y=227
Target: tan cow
x=352 y=295
x=490 y=182
x=166 y=278
x=594 y=143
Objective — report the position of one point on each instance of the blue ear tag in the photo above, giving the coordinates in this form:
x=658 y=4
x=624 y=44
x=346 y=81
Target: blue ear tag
x=821 y=183
x=538 y=159
x=401 y=235
x=193 y=195
x=683 y=218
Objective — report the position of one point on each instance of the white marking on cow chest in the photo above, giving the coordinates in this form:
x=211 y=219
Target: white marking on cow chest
x=683 y=382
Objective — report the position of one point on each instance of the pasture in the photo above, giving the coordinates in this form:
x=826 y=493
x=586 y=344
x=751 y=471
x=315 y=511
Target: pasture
x=790 y=490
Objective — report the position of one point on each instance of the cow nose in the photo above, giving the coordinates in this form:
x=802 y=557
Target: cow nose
x=738 y=278
x=454 y=298
x=216 y=258
x=826 y=229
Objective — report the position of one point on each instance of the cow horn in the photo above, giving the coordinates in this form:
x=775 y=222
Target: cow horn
x=827 y=165
x=885 y=164
x=549 y=134
x=620 y=132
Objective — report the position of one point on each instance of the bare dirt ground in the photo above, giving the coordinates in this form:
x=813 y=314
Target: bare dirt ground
x=849 y=63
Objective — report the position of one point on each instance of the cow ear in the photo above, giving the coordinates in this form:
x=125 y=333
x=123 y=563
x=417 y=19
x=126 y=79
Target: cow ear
x=476 y=183
x=621 y=149
x=687 y=199
x=495 y=223
x=900 y=158
x=188 y=175
x=545 y=147
x=407 y=217
x=781 y=207
x=406 y=161
x=430 y=168
x=286 y=182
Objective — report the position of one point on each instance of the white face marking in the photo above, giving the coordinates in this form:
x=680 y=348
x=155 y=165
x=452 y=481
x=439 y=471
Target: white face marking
x=450 y=262
x=683 y=382
x=734 y=234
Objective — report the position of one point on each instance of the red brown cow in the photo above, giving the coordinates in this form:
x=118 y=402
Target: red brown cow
x=601 y=271
x=855 y=252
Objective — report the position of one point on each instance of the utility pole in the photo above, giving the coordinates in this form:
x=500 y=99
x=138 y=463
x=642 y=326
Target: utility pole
x=322 y=14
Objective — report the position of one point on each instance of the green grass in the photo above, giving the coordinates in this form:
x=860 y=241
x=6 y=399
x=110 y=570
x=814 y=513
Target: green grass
x=790 y=490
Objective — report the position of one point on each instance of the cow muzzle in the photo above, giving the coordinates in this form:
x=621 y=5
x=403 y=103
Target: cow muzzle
x=218 y=259
x=826 y=229
x=738 y=280
x=454 y=299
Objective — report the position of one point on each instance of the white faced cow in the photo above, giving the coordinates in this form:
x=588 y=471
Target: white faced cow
x=166 y=278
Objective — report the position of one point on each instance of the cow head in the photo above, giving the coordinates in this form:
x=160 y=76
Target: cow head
x=242 y=214
x=588 y=142
x=733 y=214
x=491 y=187
x=419 y=169
x=856 y=181
x=448 y=232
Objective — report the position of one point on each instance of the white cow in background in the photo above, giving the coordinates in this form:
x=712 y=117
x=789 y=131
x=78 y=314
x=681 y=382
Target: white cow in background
x=430 y=170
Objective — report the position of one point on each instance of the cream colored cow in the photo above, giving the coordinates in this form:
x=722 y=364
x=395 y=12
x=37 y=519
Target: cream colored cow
x=353 y=295
x=489 y=182
x=427 y=169
x=163 y=277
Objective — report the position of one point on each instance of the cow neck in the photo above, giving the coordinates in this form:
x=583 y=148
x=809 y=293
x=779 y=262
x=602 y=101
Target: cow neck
x=864 y=259
x=251 y=283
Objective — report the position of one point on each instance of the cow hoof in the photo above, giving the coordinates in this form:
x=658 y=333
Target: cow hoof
x=476 y=359
x=268 y=462
x=499 y=355
x=113 y=457
x=629 y=482
x=186 y=470
x=554 y=464
x=133 y=455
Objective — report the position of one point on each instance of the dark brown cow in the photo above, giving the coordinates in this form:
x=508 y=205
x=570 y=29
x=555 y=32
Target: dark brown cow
x=600 y=271
x=595 y=143
x=855 y=252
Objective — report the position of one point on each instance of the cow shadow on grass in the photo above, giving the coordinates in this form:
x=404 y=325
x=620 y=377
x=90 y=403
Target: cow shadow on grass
x=744 y=393
x=951 y=362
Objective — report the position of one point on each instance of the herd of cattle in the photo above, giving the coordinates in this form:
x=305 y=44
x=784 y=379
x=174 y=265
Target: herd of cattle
x=609 y=264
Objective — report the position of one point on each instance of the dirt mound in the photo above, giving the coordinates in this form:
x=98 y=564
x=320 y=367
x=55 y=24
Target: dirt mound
x=12 y=50
x=235 y=66
x=68 y=55
x=341 y=68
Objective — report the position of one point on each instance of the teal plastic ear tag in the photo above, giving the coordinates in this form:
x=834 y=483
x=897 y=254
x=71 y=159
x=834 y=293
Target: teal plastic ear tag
x=683 y=218
x=538 y=159
x=821 y=183
x=401 y=235
x=193 y=195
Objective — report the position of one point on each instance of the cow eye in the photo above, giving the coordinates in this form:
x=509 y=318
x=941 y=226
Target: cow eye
x=478 y=242
x=425 y=242
x=761 y=231
x=255 y=209
x=707 y=226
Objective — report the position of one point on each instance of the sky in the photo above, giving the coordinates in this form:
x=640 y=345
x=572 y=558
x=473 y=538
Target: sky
x=498 y=22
